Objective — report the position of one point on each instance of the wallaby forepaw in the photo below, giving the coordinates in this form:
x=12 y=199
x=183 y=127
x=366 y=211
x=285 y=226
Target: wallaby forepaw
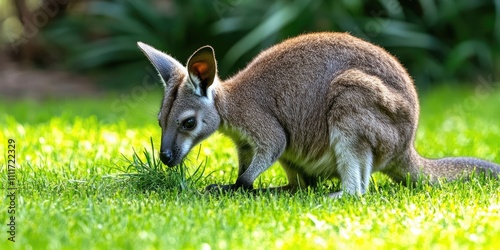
x=217 y=189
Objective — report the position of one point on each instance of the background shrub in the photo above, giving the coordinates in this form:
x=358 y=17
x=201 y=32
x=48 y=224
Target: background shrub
x=438 y=41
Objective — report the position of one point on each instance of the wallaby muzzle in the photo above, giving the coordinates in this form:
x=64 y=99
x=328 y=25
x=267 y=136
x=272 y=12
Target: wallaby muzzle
x=169 y=151
x=166 y=156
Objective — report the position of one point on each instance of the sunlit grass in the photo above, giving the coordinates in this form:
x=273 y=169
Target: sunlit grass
x=92 y=180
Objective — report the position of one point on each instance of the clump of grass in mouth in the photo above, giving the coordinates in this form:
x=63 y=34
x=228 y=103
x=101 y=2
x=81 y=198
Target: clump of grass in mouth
x=151 y=175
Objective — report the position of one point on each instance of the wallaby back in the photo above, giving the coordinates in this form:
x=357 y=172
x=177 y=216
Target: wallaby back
x=324 y=105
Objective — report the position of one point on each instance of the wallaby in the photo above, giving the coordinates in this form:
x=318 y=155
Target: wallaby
x=323 y=104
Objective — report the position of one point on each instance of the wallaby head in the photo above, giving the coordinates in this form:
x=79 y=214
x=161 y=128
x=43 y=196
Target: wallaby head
x=187 y=114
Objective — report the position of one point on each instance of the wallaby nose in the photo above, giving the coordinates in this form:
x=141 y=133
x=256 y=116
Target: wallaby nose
x=166 y=156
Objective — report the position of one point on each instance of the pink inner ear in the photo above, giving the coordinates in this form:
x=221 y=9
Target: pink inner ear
x=200 y=68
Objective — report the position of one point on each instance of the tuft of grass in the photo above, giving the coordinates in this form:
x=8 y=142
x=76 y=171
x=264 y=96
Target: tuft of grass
x=147 y=173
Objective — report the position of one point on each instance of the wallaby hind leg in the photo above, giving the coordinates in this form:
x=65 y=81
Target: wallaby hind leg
x=363 y=111
x=354 y=165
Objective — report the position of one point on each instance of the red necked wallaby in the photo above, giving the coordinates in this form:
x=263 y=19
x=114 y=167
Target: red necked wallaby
x=324 y=105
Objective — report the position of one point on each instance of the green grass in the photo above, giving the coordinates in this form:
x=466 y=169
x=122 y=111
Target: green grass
x=88 y=179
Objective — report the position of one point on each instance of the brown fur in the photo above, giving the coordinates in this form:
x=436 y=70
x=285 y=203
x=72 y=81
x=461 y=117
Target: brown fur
x=324 y=105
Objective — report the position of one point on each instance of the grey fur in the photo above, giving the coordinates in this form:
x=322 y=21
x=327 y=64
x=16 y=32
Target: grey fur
x=324 y=105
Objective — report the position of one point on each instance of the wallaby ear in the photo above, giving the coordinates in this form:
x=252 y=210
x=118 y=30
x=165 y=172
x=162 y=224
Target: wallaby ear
x=164 y=64
x=202 y=69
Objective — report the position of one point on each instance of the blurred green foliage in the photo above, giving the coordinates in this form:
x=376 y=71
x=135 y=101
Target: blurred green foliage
x=445 y=40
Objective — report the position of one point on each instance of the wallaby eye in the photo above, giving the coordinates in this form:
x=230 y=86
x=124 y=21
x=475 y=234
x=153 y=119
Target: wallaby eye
x=189 y=123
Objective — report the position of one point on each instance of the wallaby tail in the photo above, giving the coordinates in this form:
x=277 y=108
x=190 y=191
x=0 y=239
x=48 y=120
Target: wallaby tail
x=449 y=168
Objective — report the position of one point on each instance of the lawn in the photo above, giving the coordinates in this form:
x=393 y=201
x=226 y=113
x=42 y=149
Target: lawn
x=81 y=185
